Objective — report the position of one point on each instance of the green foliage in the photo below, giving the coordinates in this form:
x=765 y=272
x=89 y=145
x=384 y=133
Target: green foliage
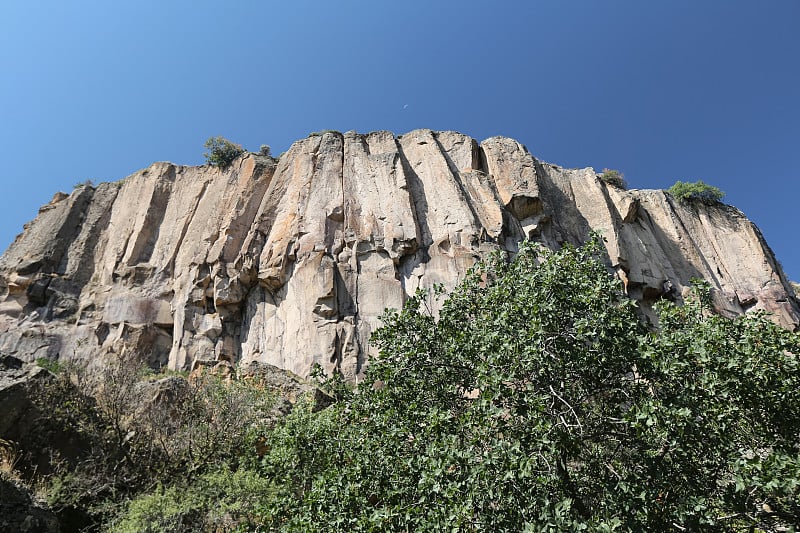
x=151 y=374
x=539 y=401
x=138 y=432
x=52 y=365
x=265 y=150
x=613 y=178
x=685 y=191
x=221 y=151
x=534 y=400
x=219 y=500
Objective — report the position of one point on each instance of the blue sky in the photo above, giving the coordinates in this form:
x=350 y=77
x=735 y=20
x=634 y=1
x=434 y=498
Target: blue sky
x=659 y=90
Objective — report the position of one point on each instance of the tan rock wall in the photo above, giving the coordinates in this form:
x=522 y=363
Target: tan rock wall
x=292 y=262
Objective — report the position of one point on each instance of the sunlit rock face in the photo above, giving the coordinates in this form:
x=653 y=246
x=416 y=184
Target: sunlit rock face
x=291 y=262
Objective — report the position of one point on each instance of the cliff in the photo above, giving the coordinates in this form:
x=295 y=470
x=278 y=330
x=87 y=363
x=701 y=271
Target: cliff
x=292 y=261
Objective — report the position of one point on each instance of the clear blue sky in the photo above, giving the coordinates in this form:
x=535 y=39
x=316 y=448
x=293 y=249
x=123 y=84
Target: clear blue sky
x=659 y=90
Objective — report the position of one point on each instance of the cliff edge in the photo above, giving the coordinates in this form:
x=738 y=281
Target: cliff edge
x=292 y=261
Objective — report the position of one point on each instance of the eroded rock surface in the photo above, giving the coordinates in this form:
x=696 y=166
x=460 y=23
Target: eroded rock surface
x=16 y=380
x=292 y=262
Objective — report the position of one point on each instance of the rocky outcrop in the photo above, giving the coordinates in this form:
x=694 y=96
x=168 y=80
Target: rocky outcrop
x=16 y=379
x=291 y=262
x=21 y=511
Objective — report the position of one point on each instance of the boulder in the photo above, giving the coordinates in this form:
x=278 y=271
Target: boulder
x=22 y=512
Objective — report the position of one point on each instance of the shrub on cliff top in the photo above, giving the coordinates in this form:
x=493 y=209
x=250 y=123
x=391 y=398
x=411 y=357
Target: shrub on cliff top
x=84 y=183
x=322 y=132
x=614 y=178
x=685 y=191
x=221 y=151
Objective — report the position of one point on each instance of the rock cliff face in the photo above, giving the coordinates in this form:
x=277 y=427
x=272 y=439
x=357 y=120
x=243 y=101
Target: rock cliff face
x=292 y=261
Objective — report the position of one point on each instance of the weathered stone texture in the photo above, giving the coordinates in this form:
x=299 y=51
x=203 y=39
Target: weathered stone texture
x=291 y=262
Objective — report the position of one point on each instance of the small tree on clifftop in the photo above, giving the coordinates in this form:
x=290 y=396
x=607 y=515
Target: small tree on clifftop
x=684 y=191
x=221 y=151
x=614 y=178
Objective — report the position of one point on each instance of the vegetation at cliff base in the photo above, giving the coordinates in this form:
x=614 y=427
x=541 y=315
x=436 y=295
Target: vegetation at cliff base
x=539 y=401
x=101 y=437
x=221 y=151
x=535 y=399
x=685 y=191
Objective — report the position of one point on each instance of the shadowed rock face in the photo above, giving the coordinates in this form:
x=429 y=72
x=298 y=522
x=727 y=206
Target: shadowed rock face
x=292 y=262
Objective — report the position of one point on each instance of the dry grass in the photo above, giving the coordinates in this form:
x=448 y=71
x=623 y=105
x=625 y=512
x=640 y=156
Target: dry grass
x=9 y=457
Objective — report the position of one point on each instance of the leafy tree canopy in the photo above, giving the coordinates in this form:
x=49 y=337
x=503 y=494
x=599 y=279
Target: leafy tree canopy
x=539 y=401
x=221 y=151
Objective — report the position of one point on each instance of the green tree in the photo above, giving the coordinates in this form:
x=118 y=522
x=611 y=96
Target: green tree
x=698 y=190
x=539 y=401
x=221 y=151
